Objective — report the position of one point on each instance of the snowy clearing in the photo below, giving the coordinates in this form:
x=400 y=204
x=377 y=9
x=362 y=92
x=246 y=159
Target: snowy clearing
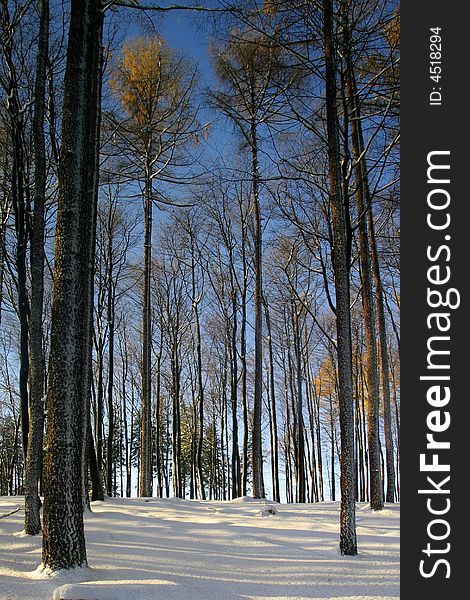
x=175 y=549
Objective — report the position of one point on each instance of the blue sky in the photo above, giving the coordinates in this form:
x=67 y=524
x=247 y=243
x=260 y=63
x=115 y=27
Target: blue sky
x=182 y=30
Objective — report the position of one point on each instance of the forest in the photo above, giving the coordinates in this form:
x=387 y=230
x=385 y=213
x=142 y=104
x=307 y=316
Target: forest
x=199 y=256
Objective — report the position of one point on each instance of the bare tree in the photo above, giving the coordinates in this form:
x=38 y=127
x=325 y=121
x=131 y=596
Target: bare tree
x=254 y=75
x=154 y=86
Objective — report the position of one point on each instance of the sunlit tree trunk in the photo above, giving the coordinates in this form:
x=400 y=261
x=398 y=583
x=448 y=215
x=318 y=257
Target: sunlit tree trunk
x=348 y=543
x=64 y=539
x=146 y=463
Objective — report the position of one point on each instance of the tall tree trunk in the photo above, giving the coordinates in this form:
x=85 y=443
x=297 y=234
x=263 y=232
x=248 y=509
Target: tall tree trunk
x=110 y=319
x=146 y=463
x=379 y=294
x=243 y=374
x=36 y=383
x=4 y=216
x=176 y=419
x=383 y=345
x=64 y=539
x=348 y=543
x=127 y=452
x=92 y=183
x=131 y=444
x=310 y=393
x=359 y=432
x=332 y=452
x=21 y=211
x=236 y=474
x=95 y=473
x=223 y=422
x=200 y=385
x=376 y=497
x=389 y=449
x=275 y=443
x=299 y=435
x=288 y=449
x=257 y=439
x=99 y=397
x=158 y=418
x=316 y=405
x=194 y=437
x=14 y=459
x=111 y=324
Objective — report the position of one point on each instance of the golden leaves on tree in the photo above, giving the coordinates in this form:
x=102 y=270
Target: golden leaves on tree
x=142 y=78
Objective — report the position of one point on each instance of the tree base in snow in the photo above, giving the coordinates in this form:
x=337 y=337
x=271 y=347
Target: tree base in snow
x=268 y=511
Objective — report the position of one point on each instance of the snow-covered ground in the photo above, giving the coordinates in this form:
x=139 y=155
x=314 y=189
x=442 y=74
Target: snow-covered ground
x=174 y=549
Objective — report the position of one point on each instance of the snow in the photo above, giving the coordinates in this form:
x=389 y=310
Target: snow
x=268 y=511
x=142 y=549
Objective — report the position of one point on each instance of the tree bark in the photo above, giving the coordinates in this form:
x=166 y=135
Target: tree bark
x=32 y=523
x=111 y=326
x=158 y=418
x=200 y=385
x=176 y=418
x=236 y=474
x=64 y=538
x=299 y=434
x=146 y=463
x=257 y=439
x=243 y=374
x=348 y=543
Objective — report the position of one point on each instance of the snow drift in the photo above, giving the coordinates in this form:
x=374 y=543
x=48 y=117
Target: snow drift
x=142 y=549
